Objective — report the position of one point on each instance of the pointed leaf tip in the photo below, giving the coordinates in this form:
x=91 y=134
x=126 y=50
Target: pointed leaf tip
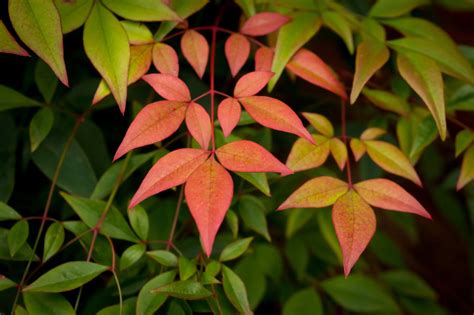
x=168 y=86
x=237 y=51
x=195 y=49
x=252 y=83
x=228 y=114
x=199 y=124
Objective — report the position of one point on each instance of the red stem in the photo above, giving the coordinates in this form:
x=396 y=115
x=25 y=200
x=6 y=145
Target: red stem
x=213 y=92
x=344 y=139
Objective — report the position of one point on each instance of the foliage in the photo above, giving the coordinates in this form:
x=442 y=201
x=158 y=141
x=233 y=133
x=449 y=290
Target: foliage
x=214 y=106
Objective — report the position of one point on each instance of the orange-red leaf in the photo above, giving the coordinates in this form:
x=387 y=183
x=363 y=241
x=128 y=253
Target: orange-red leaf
x=154 y=122
x=354 y=222
x=237 y=51
x=228 y=114
x=196 y=51
x=274 y=114
x=264 y=59
x=165 y=59
x=308 y=66
x=264 y=23
x=248 y=156
x=467 y=168
x=199 y=124
x=358 y=148
x=316 y=193
x=385 y=194
x=168 y=86
x=305 y=155
x=209 y=192
x=252 y=83
x=171 y=170
x=339 y=152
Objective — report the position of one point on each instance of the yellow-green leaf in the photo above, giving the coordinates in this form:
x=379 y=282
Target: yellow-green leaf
x=391 y=8
x=73 y=13
x=467 y=168
x=320 y=123
x=358 y=148
x=8 y=43
x=338 y=151
x=305 y=155
x=387 y=101
x=339 y=25
x=142 y=10
x=372 y=133
x=463 y=139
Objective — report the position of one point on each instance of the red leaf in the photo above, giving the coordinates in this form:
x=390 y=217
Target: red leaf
x=228 y=114
x=354 y=222
x=165 y=59
x=209 y=192
x=264 y=59
x=251 y=83
x=316 y=193
x=264 y=23
x=199 y=124
x=168 y=86
x=311 y=68
x=275 y=114
x=196 y=51
x=171 y=170
x=237 y=51
x=154 y=122
x=248 y=156
x=385 y=194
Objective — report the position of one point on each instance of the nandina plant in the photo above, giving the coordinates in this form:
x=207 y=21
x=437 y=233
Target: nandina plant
x=215 y=93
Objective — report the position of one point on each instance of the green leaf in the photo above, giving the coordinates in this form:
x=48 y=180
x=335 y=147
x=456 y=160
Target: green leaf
x=405 y=134
x=424 y=76
x=291 y=37
x=213 y=268
x=8 y=43
x=138 y=33
x=463 y=139
x=38 y=25
x=10 y=99
x=53 y=240
x=259 y=180
x=425 y=134
x=235 y=249
x=17 y=236
x=8 y=156
x=141 y=10
x=127 y=308
x=304 y=302
x=233 y=222
x=90 y=212
x=252 y=211
x=409 y=284
x=45 y=80
x=326 y=227
x=387 y=101
x=187 y=268
x=47 y=303
x=298 y=256
x=66 y=277
x=6 y=283
x=371 y=55
x=164 y=257
x=235 y=290
x=139 y=221
x=184 y=8
x=390 y=9
x=414 y=306
x=372 y=30
x=186 y=290
x=148 y=303
x=265 y=253
x=248 y=6
x=23 y=254
x=73 y=13
x=359 y=293
x=40 y=126
x=106 y=45
x=8 y=213
x=131 y=255
x=253 y=277
x=20 y=310
x=339 y=25
x=297 y=218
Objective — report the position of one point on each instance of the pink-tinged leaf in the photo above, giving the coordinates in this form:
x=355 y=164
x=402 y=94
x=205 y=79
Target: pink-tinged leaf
x=320 y=123
x=196 y=51
x=339 y=152
x=316 y=193
x=140 y=61
x=171 y=170
x=237 y=51
x=165 y=59
x=248 y=156
x=264 y=23
x=199 y=124
x=274 y=114
x=8 y=44
x=308 y=66
x=155 y=122
x=354 y=222
x=305 y=155
x=391 y=159
x=168 y=86
x=228 y=114
x=385 y=194
x=252 y=83
x=372 y=133
x=264 y=59
x=209 y=192
x=371 y=55
x=467 y=169
x=358 y=148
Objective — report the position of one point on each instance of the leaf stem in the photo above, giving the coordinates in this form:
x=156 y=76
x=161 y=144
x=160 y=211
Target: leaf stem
x=213 y=92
